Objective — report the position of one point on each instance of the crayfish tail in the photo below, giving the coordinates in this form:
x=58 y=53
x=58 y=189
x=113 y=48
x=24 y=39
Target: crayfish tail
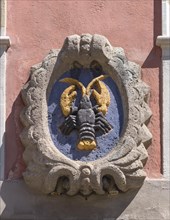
x=87 y=145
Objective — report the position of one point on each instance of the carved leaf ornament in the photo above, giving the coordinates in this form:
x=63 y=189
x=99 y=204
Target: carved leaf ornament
x=48 y=170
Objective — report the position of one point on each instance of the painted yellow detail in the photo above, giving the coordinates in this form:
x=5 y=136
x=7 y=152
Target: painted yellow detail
x=102 y=96
x=67 y=99
x=86 y=145
x=91 y=84
x=76 y=83
x=100 y=93
x=69 y=94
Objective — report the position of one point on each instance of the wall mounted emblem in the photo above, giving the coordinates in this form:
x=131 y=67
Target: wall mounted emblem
x=85 y=120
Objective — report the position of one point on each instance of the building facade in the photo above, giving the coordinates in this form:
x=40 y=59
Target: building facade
x=29 y=30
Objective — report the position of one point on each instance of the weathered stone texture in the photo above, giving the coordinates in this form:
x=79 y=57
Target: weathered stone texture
x=48 y=170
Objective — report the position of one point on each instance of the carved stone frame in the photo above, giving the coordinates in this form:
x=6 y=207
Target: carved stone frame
x=48 y=170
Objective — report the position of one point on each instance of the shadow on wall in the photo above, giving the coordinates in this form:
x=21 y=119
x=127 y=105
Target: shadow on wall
x=14 y=164
x=152 y=61
x=26 y=205
x=154 y=58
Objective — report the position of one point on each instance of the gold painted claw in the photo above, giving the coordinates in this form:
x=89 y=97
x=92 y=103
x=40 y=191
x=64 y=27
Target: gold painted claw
x=69 y=94
x=67 y=99
x=102 y=97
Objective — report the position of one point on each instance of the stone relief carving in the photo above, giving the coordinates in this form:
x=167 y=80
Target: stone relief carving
x=58 y=167
x=86 y=117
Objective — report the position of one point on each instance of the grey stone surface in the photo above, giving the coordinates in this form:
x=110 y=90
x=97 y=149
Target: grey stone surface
x=164 y=43
x=4 y=44
x=151 y=202
x=48 y=170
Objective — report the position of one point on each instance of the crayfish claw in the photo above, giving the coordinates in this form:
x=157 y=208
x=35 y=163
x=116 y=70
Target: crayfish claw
x=67 y=99
x=102 y=97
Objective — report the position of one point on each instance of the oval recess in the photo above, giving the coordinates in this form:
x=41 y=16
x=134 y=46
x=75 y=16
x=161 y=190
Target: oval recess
x=66 y=144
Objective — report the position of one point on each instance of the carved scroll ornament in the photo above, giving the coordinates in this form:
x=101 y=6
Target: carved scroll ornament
x=49 y=170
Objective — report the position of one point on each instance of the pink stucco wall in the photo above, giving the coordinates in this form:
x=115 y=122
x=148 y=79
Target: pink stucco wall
x=35 y=27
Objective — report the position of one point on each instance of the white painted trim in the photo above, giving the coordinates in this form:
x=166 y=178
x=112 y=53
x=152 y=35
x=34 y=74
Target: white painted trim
x=4 y=45
x=3 y=5
x=164 y=42
x=166 y=17
x=2 y=106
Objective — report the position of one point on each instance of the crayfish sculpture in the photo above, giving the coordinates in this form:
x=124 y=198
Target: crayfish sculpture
x=87 y=119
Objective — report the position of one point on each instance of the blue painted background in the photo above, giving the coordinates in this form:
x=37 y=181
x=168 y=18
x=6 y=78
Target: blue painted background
x=67 y=144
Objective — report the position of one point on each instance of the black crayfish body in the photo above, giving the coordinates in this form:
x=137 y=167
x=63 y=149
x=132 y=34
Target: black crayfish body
x=87 y=119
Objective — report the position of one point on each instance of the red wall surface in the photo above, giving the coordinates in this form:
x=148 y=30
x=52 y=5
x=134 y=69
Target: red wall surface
x=35 y=27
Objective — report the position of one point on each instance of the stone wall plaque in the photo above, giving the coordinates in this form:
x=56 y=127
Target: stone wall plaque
x=85 y=116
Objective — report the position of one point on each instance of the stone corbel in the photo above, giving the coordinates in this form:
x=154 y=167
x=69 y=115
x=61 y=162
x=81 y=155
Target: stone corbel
x=164 y=43
x=5 y=42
